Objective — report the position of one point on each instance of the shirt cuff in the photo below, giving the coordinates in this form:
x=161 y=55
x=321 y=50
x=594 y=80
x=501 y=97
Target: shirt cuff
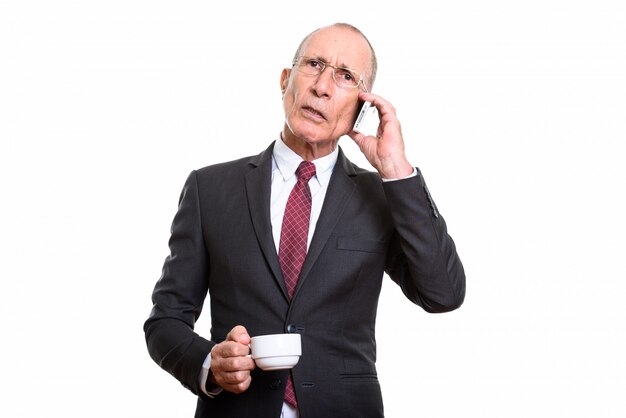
x=208 y=388
x=413 y=174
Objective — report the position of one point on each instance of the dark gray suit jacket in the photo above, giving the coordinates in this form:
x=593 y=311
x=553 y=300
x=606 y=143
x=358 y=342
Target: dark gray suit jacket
x=222 y=243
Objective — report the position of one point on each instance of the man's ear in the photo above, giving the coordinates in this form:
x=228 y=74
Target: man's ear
x=284 y=79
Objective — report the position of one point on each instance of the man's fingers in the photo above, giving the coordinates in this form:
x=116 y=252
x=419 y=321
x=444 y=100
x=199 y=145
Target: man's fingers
x=232 y=373
x=235 y=378
x=230 y=364
x=236 y=344
x=239 y=334
x=229 y=349
x=238 y=387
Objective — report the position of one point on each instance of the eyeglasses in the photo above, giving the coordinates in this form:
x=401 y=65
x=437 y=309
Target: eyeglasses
x=343 y=76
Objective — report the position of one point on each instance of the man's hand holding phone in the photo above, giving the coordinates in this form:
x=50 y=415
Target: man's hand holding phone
x=385 y=151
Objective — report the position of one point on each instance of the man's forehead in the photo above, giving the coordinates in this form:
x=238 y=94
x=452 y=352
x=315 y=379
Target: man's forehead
x=339 y=46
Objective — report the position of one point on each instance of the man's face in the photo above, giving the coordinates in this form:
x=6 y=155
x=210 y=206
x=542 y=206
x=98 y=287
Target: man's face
x=317 y=109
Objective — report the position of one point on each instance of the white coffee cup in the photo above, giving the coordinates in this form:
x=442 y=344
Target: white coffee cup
x=276 y=351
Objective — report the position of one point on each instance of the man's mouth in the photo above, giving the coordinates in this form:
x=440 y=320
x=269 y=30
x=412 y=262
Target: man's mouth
x=314 y=113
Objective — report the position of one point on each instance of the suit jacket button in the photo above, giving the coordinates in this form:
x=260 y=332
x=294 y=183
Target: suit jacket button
x=275 y=384
x=292 y=329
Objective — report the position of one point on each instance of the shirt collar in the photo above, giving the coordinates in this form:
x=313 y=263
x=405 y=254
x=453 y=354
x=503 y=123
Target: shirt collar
x=287 y=161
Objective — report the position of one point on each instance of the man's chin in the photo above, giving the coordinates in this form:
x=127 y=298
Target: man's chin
x=313 y=133
x=309 y=135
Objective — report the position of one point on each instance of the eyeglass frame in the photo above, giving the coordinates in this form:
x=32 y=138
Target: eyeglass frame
x=334 y=67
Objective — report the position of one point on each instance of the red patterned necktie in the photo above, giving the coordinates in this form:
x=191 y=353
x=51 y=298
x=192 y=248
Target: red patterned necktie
x=295 y=229
x=293 y=240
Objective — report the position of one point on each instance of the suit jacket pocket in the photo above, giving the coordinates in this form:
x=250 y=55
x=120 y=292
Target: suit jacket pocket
x=362 y=395
x=359 y=244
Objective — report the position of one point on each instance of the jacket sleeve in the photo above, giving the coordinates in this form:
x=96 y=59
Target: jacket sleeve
x=179 y=295
x=423 y=260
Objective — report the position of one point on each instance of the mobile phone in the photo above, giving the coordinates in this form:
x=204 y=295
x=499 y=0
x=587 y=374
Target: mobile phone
x=361 y=116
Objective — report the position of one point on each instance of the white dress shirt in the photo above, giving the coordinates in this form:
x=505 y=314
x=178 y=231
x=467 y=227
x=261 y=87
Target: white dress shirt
x=284 y=165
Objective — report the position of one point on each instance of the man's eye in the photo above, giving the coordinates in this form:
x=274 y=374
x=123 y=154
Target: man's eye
x=314 y=64
x=346 y=75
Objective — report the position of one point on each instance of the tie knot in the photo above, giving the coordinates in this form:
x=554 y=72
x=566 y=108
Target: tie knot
x=305 y=171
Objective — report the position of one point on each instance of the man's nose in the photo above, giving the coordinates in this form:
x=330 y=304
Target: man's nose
x=324 y=82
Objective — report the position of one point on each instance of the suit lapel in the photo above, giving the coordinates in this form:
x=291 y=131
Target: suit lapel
x=258 y=191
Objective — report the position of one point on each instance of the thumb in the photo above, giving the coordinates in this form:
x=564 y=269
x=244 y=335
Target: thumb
x=239 y=334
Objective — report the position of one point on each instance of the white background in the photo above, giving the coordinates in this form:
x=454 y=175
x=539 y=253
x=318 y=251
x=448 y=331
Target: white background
x=514 y=111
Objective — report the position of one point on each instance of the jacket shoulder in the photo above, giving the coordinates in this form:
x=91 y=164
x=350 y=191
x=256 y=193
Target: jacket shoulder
x=236 y=166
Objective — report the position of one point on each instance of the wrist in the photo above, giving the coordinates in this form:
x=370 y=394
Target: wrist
x=396 y=170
